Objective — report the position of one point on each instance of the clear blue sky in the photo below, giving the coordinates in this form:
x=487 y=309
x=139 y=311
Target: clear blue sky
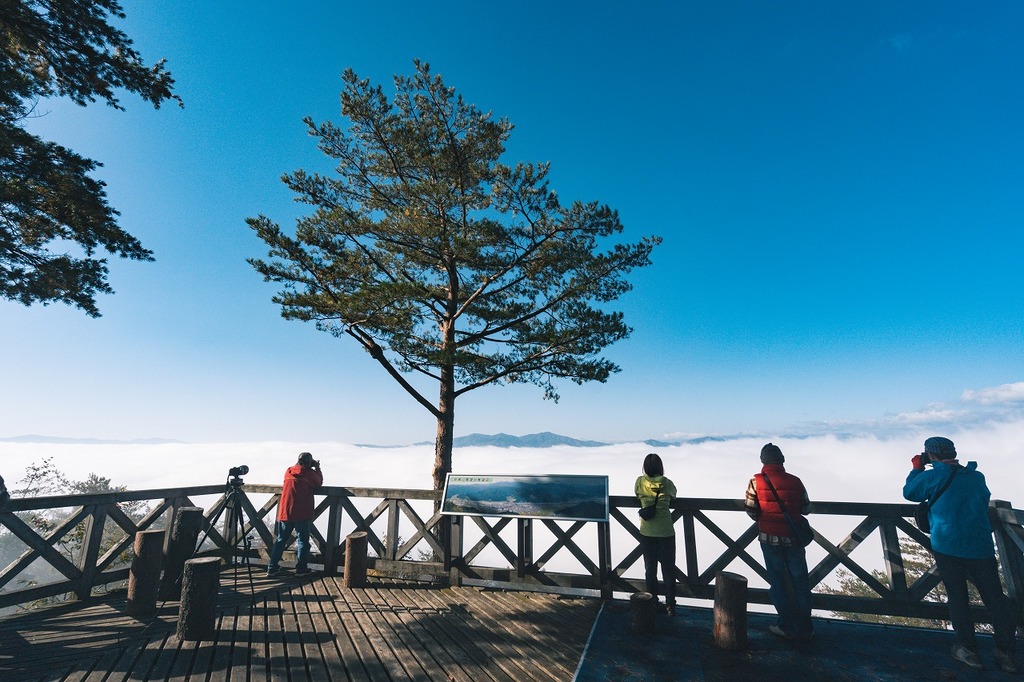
x=838 y=186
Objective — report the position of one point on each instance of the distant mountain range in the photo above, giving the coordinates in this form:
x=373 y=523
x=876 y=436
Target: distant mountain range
x=548 y=439
x=498 y=440
x=57 y=440
x=532 y=440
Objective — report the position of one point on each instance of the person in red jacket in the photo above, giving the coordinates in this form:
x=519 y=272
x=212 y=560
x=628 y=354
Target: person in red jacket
x=784 y=560
x=295 y=512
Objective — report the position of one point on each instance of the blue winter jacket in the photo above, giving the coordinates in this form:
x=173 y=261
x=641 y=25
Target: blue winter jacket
x=959 y=519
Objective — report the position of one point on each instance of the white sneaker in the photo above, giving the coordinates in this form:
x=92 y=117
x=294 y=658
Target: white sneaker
x=967 y=656
x=1006 y=662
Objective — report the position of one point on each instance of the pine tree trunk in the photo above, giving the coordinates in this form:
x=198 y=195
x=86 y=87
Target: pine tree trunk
x=445 y=428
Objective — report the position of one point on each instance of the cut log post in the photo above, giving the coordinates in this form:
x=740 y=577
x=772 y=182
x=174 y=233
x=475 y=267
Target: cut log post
x=355 y=559
x=144 y=575
x=730 y=611
x=184 y=534
x=642 y=605
x=197 y=614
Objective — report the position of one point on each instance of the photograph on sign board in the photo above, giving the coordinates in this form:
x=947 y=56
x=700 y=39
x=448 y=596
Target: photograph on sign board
x=569 y=497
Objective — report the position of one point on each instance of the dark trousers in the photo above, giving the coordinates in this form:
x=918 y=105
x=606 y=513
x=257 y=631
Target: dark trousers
x=789 y=587
x=660 y=551
x=984 y=573
x=283 y=531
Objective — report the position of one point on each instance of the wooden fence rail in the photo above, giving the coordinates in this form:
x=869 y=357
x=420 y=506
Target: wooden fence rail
x=77 y=544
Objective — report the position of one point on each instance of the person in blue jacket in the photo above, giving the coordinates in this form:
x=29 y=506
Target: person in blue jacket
x=962 y=546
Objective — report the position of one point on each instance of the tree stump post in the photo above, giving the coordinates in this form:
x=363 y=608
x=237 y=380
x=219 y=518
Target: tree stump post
x=184 y=534
x=197 y=614
x=730 y=614
x=355 y=559
x=642 y=605
x=144 y=574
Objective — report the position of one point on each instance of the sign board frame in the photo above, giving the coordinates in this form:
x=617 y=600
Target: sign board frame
x=568 y=497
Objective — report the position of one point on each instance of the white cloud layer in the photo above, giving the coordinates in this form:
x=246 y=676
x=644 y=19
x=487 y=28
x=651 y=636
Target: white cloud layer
x=1007 y=393
x=847 y=468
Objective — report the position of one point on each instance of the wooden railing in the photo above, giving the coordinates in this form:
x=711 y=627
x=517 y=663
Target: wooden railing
x=88 y=548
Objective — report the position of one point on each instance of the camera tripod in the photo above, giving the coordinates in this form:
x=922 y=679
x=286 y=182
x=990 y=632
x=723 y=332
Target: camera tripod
x=241 y=543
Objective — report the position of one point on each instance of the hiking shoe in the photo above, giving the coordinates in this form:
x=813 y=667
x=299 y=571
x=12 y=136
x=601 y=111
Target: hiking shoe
x=1006 y=662
x=273 y=571
x=967 y=656
x=777 y=631
x=303 y=571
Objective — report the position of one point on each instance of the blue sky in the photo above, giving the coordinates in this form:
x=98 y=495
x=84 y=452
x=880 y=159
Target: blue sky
x=838 y=186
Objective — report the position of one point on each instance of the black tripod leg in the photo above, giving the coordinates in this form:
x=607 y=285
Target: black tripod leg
x=241 y=555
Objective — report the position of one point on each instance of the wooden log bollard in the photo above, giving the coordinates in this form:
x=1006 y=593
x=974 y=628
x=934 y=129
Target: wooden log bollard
x=144 y=574
x=355 y=560
x=197 y=613
x=184 y=534
x=642 y=605
x=730 y=611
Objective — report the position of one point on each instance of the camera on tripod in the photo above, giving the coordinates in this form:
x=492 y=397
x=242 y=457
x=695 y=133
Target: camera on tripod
x=235 y=477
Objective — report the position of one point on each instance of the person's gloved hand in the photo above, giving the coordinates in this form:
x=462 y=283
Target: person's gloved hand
x=918 y=461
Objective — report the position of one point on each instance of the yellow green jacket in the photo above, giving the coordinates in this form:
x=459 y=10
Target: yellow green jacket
x=646 y=490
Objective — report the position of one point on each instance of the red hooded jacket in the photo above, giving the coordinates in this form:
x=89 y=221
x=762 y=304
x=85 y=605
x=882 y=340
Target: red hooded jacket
x=297 y=493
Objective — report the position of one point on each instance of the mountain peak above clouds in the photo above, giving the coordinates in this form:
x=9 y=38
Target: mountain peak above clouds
x=531 y=440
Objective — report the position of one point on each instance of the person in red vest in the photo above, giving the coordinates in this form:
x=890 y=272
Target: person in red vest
x=295 y=512
x=784 y=560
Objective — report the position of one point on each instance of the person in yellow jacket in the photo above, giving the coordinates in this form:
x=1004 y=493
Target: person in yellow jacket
x=657 y=534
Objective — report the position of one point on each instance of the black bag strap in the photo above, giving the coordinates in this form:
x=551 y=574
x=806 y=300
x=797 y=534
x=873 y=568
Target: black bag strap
x=776 y=494
x=944 y=486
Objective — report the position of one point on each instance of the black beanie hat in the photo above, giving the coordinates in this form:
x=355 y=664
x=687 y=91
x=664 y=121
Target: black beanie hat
x=942 y=448
x=772 y=454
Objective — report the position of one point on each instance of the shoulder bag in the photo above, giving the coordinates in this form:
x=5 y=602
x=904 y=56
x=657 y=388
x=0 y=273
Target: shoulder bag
x=647 y=513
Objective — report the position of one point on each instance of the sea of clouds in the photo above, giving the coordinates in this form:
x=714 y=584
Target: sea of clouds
x=861 y=468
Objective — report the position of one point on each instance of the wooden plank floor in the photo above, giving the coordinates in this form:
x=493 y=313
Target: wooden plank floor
x=310 y=628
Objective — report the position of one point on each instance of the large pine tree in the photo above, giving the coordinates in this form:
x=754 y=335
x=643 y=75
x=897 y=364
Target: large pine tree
x=444 y=262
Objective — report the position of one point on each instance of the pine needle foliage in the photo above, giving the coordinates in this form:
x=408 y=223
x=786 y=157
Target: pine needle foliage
x=54 y=216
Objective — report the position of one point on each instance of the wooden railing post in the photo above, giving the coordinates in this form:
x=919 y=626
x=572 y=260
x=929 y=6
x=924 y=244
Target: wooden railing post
x=453 y=550
x=604 y=558
x=642 y=606
x=893 y=556
x=93 y=537
x=184 y=535
x=730 y=614
x=197 y=614
x=144 y=576
x=333 y=550
x=391 y=551
x=524 y=547
x=355 y=560
x=1011 y=560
